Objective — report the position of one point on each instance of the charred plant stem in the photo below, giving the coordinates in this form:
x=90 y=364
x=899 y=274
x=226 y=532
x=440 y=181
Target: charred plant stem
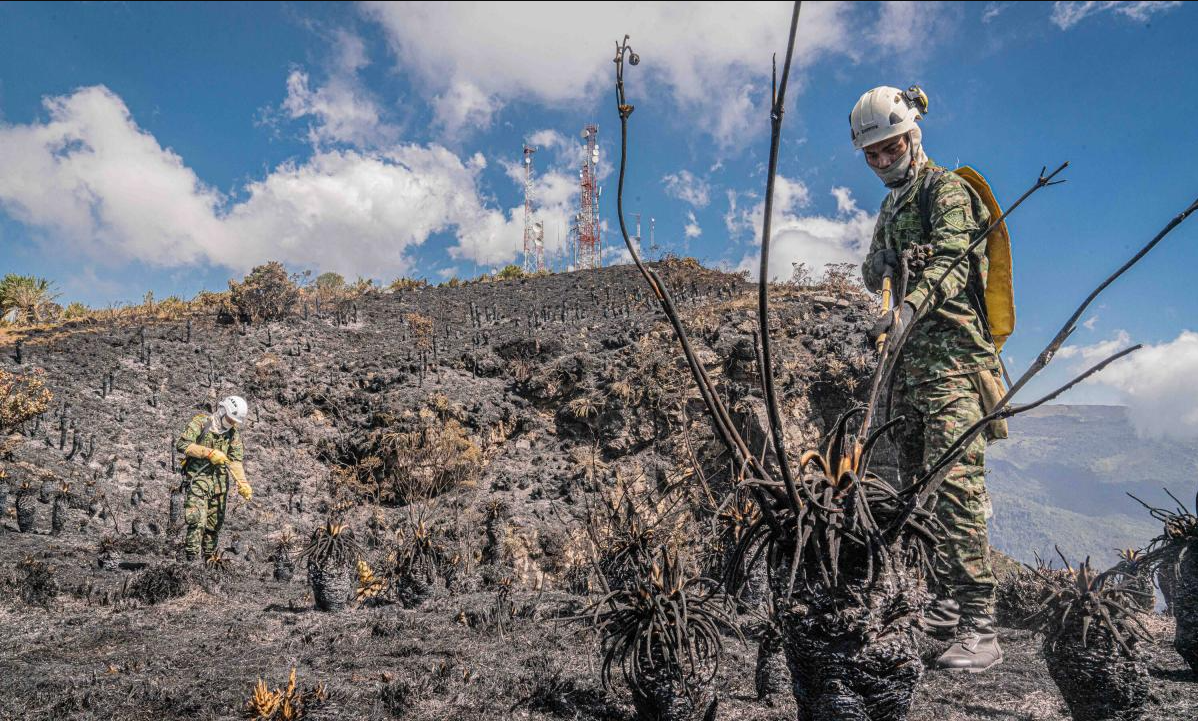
x=926 y=485
x=1041 y=182
x=929 y=483
x=763 y=282
x=719 y=414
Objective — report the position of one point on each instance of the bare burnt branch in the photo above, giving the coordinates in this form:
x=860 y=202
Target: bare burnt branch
x=720 y=416
x=923 y=488
x=891 y=353
x=927 y=484
x=763 y=282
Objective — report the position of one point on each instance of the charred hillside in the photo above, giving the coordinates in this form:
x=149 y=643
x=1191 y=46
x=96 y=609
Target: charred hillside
x=491 y=447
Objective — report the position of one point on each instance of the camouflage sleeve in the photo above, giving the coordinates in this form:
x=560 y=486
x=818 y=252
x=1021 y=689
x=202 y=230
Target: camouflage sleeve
x=953 y=225
x=193 y=432
x=236 y=449
x=873 y=281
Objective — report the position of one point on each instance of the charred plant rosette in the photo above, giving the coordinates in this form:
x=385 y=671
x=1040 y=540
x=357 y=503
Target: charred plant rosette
x=847 y=573
x=1174 y=555
x=414 y=563
x=845 y=553
x=332 y=556
x=1021 y=594
x=663 y=634
x=1090 y=634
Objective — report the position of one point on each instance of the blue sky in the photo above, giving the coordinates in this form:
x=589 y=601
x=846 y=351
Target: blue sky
x=168 y=147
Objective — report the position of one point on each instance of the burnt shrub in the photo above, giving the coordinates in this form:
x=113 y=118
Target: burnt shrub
x=267 y=293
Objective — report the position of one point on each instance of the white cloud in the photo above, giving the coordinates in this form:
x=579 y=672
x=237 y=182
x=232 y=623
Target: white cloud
x=90 y=173
x=362 y=212
x=342 y=110
x=814 y=240
x=903 y=27
x=742 y=221
x=733 y=219
x=1091 y=322
x=692 y=228
x=684 y=186
x=1067 y=14
x=1157 y=384
x=1097 y=351
x=95 y=183
x=552 y=140
x=463 y=106
x=993 y=10
x=712 y=58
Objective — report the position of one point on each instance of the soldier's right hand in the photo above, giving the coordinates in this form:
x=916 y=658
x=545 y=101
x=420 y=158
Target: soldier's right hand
x=217 y=457
x=883 y=260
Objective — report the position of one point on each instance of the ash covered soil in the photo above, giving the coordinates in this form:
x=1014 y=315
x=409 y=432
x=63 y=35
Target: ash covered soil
x=556 y=390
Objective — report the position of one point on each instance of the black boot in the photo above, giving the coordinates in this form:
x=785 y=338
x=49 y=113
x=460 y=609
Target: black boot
x=975 y=649
x=941 y=619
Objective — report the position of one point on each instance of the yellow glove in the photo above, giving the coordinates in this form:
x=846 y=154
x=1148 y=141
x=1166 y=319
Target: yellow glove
x=237 y=470
x=195 y=450
x=217 y=457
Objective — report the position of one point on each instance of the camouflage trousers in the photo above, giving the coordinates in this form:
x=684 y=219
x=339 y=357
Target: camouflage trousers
x=204 y=512
x=937 y=412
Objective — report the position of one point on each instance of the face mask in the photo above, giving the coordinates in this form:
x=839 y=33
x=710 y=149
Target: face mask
x=227 y=422
x=895 y=174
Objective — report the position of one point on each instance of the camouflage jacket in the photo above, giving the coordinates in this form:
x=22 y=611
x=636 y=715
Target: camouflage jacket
x=949 y=339
x=199 y=432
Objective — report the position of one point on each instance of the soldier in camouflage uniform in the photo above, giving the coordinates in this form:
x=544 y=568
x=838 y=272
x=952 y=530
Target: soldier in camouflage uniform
x=931 y=215
x=214 y=453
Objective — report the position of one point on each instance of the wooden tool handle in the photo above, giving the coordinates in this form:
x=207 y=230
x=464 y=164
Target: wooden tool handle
x=885 y=306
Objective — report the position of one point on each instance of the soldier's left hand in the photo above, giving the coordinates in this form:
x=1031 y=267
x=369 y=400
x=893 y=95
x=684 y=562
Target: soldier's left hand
x=886 y=323
x=246 y=492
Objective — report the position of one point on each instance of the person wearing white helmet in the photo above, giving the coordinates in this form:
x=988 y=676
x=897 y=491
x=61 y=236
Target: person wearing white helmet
x=213 y=453
x=929 y=217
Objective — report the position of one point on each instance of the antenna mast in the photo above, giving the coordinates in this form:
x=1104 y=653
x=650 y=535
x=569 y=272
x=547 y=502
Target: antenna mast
x=533 y=244
x=588 y=249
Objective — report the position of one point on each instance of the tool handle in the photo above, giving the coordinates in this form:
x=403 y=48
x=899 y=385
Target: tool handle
x=886 y=282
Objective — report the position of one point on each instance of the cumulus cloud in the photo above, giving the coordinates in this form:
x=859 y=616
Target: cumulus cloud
x=341 y=110
x=91 y=180
x=89 y=173
x=712 y=58
x=684 y=186
x=814 y=240
x=1097 y=351
x=692 y=229
x=1065 y=15
x=1157 y=385
x=554 y=141
x=463 y=107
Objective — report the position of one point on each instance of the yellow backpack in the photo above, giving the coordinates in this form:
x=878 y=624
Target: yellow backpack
x=999 y=310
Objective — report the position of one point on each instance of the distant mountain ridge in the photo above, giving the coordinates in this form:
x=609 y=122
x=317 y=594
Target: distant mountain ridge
x=1063 y=477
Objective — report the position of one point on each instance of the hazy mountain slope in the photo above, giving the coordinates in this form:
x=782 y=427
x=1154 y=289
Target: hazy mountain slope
x=1063 y=478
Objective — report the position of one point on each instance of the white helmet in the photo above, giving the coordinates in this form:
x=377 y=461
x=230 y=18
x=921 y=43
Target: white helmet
x=885 y=112
x=234 y=408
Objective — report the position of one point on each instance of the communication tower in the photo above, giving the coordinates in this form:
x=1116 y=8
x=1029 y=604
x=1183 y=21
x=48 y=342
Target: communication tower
x=588 y=246
x=533 y=255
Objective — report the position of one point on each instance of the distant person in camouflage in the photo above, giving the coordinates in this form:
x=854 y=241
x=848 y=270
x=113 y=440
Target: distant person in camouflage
x=214 y=453
x=930 y=216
